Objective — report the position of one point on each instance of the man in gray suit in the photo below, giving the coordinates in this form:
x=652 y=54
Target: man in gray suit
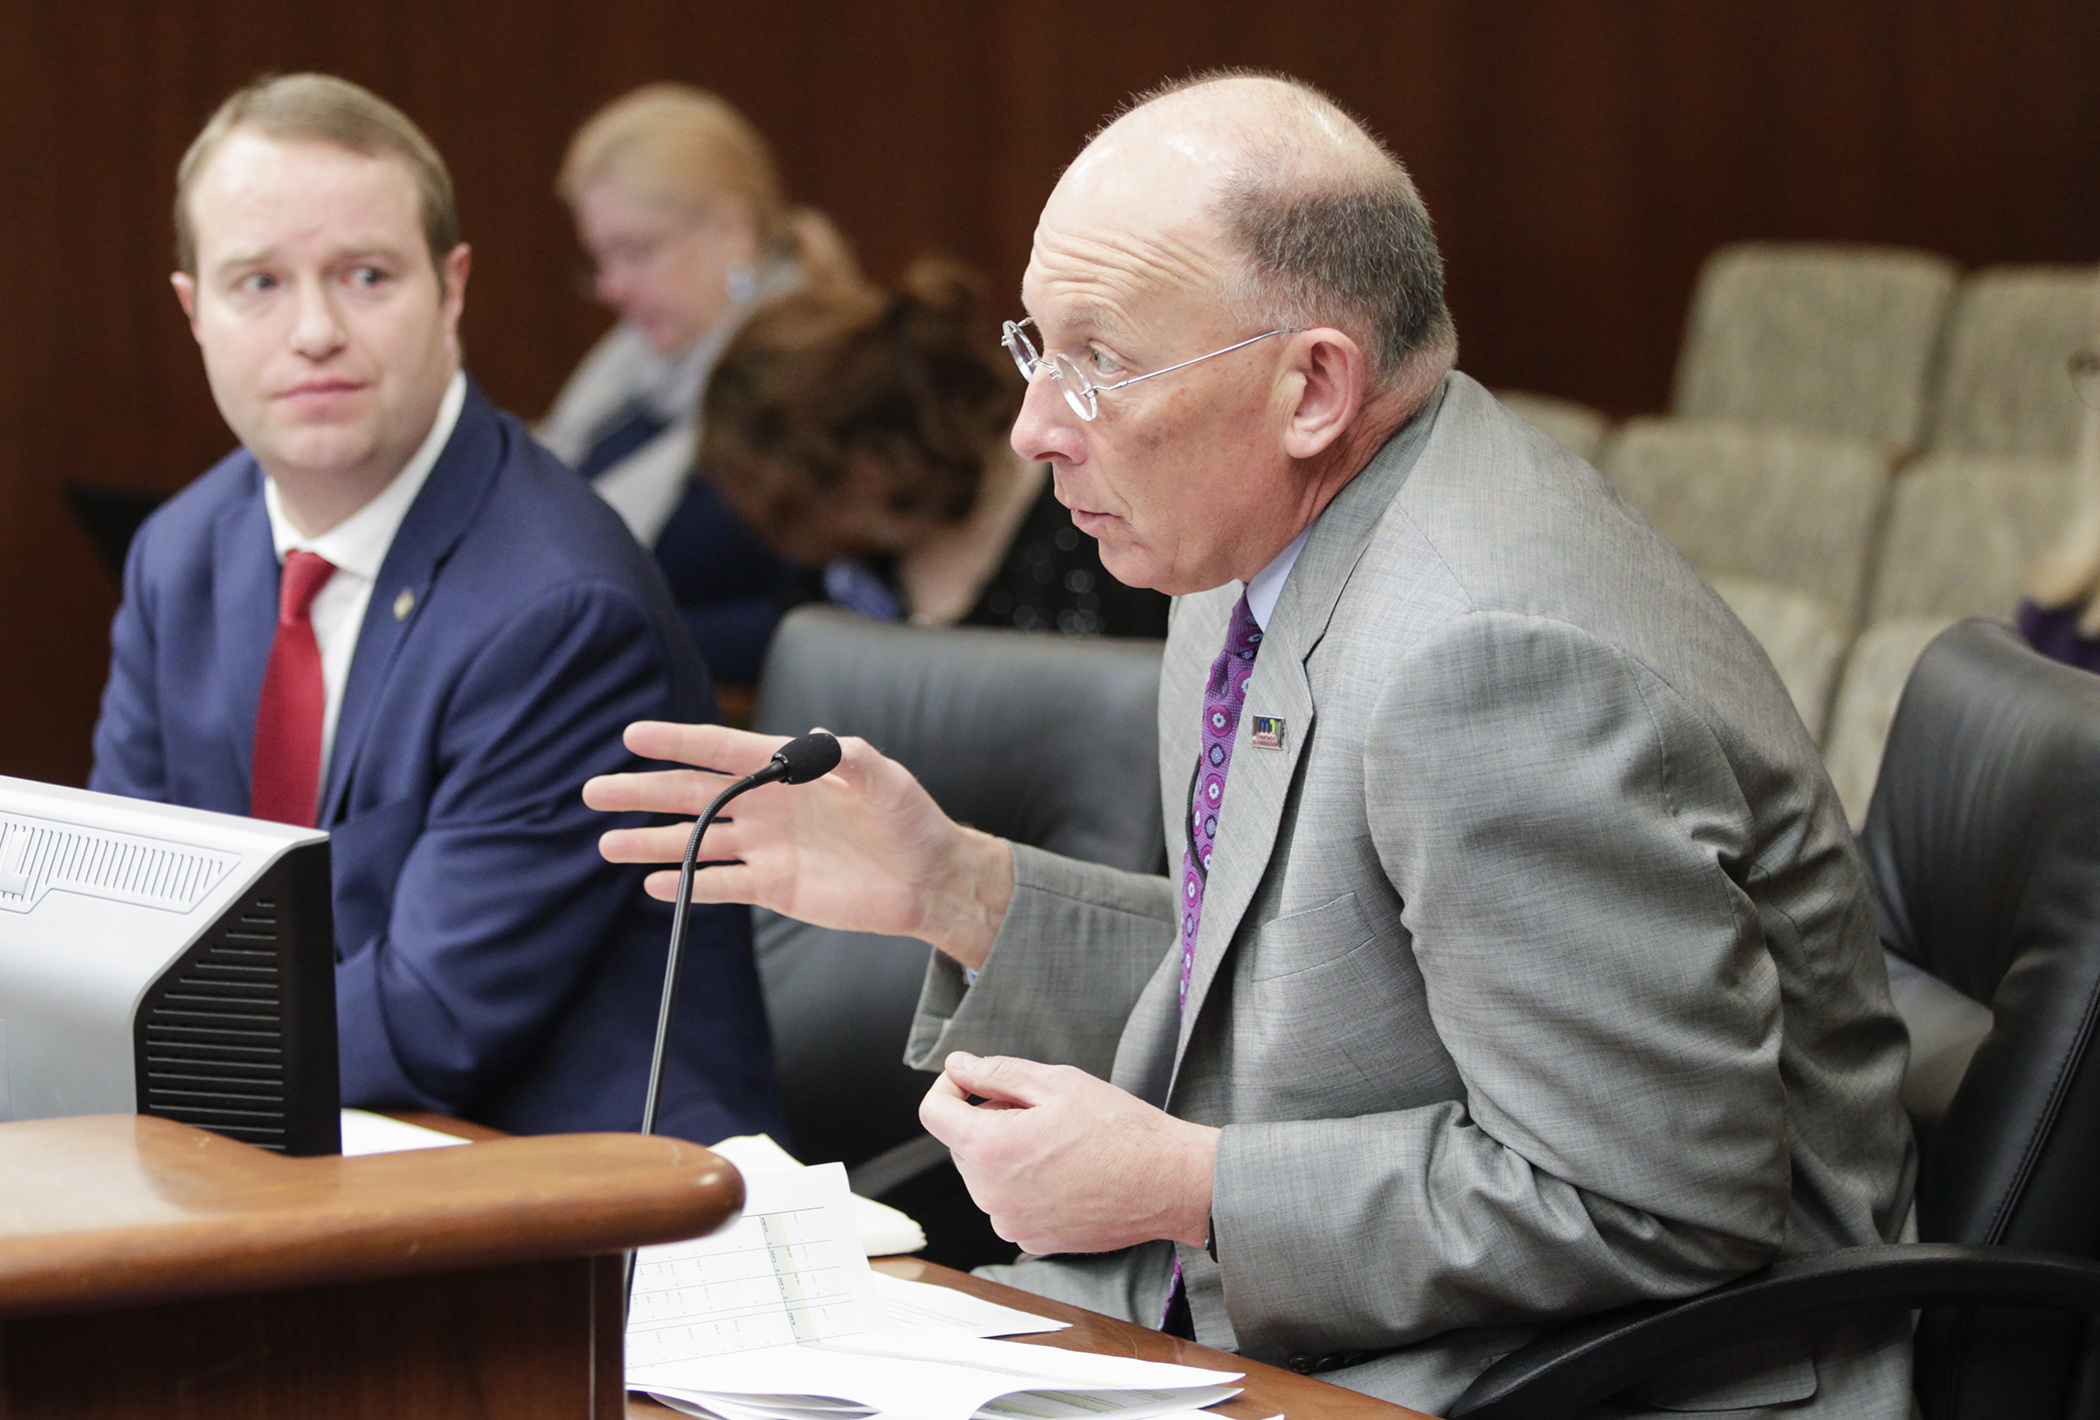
x=1527 y=968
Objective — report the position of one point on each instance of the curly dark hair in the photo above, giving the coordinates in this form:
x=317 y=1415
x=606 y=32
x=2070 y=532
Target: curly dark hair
x=846 y=420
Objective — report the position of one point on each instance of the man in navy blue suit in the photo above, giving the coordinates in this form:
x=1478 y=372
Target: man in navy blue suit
x=392 y=614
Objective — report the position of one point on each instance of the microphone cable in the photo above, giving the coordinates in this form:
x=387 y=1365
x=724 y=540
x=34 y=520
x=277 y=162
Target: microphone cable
x=810 y=756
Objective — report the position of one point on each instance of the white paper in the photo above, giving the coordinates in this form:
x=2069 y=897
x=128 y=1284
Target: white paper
x=790 y=1269
x=367 y=1133
x=779 y=1315
x=884 y=1231
x=911 y=1376
x=923 y=1306
x=1122 y=1404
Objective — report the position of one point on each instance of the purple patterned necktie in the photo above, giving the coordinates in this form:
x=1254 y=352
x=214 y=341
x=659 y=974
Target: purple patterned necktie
x=1223 y=697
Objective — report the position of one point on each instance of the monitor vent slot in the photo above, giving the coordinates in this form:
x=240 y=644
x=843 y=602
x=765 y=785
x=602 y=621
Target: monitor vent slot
x=214 y=1034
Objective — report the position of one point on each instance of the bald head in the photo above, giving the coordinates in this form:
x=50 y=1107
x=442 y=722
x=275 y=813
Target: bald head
x=1304 y=215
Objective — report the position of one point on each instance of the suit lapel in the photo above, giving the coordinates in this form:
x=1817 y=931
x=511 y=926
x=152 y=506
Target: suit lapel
x=440 y=516
x=244 y=595
x=1258 y=786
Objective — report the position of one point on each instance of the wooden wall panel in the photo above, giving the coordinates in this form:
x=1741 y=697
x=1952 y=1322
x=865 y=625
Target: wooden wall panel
x=1581 y=156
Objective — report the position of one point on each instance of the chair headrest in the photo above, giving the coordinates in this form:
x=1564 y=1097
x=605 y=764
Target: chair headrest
x=1991 y=765
x=1045 y=740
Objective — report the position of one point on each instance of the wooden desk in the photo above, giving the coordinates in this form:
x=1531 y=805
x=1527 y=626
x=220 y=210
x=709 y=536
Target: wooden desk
x=1270 y=1390
x=148 y=1269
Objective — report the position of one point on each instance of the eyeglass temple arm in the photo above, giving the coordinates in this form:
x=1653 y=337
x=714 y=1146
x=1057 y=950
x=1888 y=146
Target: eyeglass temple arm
x=1149 y=374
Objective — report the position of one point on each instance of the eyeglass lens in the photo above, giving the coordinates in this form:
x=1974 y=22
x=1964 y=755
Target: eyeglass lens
x=1076 y=388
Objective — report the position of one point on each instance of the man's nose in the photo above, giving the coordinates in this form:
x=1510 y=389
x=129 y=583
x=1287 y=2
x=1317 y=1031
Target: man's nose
x=318 y=332
x=1047 y=428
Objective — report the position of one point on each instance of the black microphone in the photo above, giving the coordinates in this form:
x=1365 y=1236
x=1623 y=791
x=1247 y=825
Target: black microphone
x=807 y=757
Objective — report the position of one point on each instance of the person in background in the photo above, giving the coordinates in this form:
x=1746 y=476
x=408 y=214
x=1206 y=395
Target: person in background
x=2061 y=615
x=862 y=434
x=679 y=205
x=392 y=615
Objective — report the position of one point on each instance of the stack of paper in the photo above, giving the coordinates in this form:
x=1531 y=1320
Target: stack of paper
x=779 y=1317
x=884 y=1231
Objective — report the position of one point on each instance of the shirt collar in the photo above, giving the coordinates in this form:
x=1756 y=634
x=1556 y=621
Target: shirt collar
x=359 y=543
x=1267 y=585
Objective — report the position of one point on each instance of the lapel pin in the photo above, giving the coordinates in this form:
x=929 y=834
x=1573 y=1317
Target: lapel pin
x=404 y=604
x=1268 y=732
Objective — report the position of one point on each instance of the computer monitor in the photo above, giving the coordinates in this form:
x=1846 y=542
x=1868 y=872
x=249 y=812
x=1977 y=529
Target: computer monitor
x=168 y=961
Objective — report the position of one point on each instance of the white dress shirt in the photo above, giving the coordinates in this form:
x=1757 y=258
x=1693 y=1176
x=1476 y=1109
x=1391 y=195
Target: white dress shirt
x=358 y=546
x=1267 y=585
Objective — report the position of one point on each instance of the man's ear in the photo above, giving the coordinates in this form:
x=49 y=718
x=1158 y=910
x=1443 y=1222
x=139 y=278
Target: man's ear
x=186 y=292
x=452 y=280
x=1329 y=372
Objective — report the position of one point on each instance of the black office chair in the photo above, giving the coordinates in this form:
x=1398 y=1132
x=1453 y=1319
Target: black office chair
x=1040 y=739
x=1982 y=847
x=110 y=517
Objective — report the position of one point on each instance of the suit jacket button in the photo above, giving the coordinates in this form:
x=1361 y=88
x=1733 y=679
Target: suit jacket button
x=1303 y=1365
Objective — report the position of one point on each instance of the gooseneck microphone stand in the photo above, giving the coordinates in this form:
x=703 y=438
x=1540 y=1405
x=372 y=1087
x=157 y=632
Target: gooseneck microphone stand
x=800 y=760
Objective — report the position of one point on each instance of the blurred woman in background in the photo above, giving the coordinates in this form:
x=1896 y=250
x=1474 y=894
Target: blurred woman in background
x=862 y=434
x=679 y=205
x=2061 y=616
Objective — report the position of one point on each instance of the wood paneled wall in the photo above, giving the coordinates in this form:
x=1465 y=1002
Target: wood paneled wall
x=1581 y=156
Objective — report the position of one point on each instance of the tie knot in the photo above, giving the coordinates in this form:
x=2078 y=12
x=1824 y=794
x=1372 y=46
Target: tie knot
x=305 y=573
x=1243 y=632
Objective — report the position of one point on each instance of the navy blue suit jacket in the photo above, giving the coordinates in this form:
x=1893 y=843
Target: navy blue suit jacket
x=490 y=963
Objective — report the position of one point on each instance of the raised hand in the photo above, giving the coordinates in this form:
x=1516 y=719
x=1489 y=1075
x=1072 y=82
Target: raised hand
x=1065 y=1162
x=864 y=848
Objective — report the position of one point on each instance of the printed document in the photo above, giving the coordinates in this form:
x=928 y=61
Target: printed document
x=779 y=1315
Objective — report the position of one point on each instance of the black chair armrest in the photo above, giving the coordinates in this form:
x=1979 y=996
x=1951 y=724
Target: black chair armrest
x=1562 y=1373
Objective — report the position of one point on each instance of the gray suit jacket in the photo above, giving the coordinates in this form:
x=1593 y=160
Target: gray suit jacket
x=1536 y=973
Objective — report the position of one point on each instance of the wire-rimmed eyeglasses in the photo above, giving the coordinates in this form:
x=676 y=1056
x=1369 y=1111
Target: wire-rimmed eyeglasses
x=1080 y=392
x=2085 y=376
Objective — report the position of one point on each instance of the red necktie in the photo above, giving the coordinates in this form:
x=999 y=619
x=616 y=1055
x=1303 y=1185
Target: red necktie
x=287 y=775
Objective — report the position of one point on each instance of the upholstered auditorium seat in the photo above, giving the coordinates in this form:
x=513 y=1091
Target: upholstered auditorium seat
x=1824 y=338
x=2002 y=386
x=1791 y=509
x=1962 y=532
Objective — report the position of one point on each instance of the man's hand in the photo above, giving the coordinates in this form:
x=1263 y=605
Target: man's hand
x=1065 y=1162
x=864 y=848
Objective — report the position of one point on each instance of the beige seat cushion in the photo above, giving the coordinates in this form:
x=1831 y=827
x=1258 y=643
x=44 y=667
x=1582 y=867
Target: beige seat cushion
x=1833 y=339
x=2003 y=386
x=1962 y=532
x=1792 y=509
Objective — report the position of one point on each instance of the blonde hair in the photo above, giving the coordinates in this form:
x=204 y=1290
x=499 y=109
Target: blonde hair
x=688 y=150
x=2068 y=574
x=321 y=108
